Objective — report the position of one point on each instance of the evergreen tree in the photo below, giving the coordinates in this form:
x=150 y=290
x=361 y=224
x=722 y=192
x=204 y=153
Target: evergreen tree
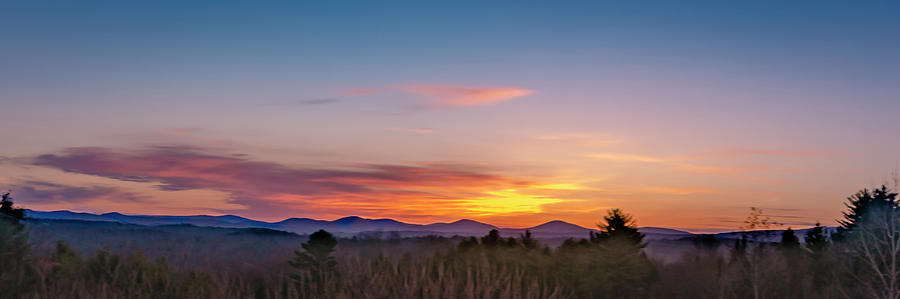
x=6 y=208
x=868 y=236
x=620 y=268
x=789 y=240
x=317 y=268
x=862 y=203
x=793 y=261
x=820 y=265
x=816 y=240
x=492 y=239
x=16 y=267
x=619 y=228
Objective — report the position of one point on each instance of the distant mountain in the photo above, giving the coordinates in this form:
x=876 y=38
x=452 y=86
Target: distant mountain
x=229 y=221
x=68 y=215
x=354 y=225
x=559 y=227
x=464 y=226
x=661 y=233
x=554 y=229
x=346 y=225
x=771 y=235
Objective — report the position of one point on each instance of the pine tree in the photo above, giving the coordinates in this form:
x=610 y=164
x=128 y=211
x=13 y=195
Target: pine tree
x=789 y=240
x=869 y=236
x=619 y=228
x=16 y=267
x=816 y=240
x=317 y=268
x=492 y=239
x=6 y=208
x=861 y=203
x=620 y=268
x=817 y=244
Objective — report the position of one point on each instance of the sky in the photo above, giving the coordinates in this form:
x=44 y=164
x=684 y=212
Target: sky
x=684 y=114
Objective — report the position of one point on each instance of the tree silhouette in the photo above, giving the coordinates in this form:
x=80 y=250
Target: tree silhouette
x=529 y=242
x=794 y=262
x=620 y=269
x=15 y=261
x=757 y=220
x=7 y=209
x=492 y=239
x=739 y=249
x=870 y=235
x=817 y=244
x=317 y=268
x=816 y=240
x=619 y=228
x=861 y=203
x=789 y=240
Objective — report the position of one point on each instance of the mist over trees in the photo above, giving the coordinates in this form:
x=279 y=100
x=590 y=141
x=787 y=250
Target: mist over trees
x=859 y=259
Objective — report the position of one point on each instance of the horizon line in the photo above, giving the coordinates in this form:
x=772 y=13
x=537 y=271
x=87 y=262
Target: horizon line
x=688 y=230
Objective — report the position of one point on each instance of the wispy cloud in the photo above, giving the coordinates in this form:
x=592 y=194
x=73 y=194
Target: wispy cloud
x=180 y=168
x=44 y=192
x=716 y=169
x=619 y=157
x=437 y=96
x=561 y=186
x=681 y=190
x=732 y=152
x=461 y=96
x=273 y=189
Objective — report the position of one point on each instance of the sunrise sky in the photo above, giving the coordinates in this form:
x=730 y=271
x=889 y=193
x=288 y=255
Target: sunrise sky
x=511 y=113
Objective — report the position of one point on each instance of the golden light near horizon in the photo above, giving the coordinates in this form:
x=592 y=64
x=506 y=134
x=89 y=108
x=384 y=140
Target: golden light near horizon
x=562 y=186
x=508 y=201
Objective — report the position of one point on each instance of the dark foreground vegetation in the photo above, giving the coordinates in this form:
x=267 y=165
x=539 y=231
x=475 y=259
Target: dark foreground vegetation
x=862 y=260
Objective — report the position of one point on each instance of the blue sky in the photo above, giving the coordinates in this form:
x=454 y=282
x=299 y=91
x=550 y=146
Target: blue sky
x=798 y=101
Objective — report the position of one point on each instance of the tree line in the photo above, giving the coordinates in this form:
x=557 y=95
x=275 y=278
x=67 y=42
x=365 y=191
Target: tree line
x=861 y=259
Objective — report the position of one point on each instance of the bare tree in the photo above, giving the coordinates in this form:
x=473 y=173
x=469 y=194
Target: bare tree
x=758 y=267
x=876 y=248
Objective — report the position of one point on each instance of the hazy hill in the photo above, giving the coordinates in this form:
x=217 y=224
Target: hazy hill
x=354 y=225
x=464 y=226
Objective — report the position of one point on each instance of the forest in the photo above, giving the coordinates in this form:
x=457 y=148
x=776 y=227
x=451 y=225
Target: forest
x=858 y=259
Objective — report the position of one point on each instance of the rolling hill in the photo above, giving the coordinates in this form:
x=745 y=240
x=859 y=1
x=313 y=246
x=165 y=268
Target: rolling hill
x=352 y=225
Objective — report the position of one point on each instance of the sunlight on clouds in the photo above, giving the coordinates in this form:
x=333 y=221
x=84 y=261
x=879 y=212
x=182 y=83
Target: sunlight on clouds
x=509 y=201
x=456 y=96
x=558 y=187
x=682 y=191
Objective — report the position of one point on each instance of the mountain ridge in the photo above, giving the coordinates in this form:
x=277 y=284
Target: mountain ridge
x=351 y=225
